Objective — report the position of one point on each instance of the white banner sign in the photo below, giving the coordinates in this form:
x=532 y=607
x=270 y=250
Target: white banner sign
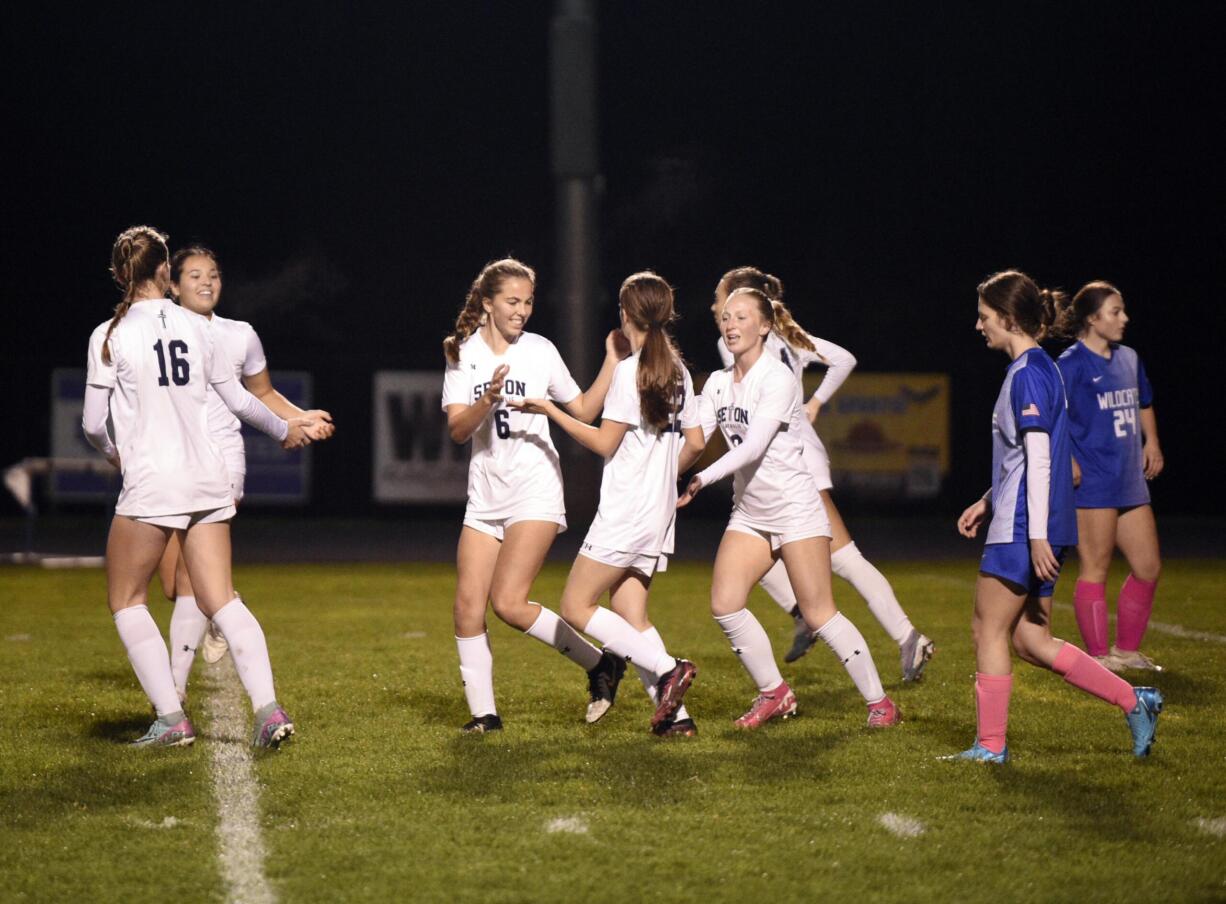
x=414 y=457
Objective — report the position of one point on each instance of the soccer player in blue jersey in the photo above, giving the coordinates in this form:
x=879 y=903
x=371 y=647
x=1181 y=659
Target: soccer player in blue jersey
x=1115 y=451
x=1032 y=525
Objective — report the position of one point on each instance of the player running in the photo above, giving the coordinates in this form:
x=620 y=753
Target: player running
x=1114 y=435
x=1031 y=528
x=148 y=368
x=649 y=429
x=195 y=283
x=515 y=506
x=777 y=514
x=799 y=350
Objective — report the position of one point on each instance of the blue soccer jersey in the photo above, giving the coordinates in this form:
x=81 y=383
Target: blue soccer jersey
x=1105 y=398
x=1032 y=398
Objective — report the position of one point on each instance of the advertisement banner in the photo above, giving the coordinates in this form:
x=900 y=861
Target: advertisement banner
x=887 y=433
x=414 y=457
x=274 y=476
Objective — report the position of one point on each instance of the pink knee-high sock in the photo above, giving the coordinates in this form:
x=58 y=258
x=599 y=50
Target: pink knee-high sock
x=1082 y=671
x=1090 y=606
x=1132 y=612
x=992 y=694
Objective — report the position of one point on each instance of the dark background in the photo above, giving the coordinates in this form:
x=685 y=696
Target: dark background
x=354 y=169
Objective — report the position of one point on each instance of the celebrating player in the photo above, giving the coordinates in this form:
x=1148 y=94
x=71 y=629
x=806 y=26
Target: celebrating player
x=649 y=429
x=149 y=366
x=1110 y=412
x=195 y=283
x=515 y=506
x=777 y=514
x=798 y=350
x=1032 y=526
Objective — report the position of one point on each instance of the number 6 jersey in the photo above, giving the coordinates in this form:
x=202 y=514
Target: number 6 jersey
x=513 y=468
x=161 y=364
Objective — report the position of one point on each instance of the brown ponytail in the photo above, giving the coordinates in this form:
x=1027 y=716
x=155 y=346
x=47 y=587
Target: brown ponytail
x=486 y=285
x=647 y=302
x=135 y=258
x=1072 y=317
x=1017 y=298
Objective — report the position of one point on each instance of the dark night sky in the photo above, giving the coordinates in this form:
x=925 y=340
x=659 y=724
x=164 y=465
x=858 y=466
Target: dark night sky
x=354 y=170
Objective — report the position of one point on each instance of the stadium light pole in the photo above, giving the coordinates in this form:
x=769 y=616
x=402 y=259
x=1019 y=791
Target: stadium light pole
x=574 y=164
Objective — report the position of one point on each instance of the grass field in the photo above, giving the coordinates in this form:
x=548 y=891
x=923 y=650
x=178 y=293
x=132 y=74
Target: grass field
x=380 y=798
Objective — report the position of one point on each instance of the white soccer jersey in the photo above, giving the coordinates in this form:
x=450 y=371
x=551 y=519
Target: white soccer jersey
x=838 y=361
x=237 y=345
x=162 y=361
x=513 y=467
x=638 y=490
x=779 y=491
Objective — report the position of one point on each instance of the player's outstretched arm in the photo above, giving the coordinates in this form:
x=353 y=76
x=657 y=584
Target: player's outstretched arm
x=260 y=386
x=587 y=405
x=602 y=440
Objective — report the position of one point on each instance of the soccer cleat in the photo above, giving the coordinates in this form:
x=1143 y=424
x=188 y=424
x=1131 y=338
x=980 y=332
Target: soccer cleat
x=978 y=754
x=482 y=725
x=914 y=654
x=602 y=682
x=1109 y=662
x=1143 y=720
x=777 y=704
x=172 y=730
x=675 y=728
x=273 y=727
x=671 y=688
x=883 y=714
x=1133 y=659
x=214 y=645
x=802 y=641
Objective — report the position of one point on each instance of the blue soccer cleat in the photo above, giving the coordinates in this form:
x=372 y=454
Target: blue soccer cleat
x=979 y=754
x=1143 y=720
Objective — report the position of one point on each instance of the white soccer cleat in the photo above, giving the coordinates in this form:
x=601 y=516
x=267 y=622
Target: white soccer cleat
x=214 y=645
x=1133 y=659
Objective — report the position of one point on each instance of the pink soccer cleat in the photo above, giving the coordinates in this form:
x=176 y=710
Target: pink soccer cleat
x=777 y=704
x=883 y=714
x=273 y=727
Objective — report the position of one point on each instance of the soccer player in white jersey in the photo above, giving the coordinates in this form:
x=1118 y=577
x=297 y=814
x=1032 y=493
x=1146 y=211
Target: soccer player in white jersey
x=195 y=283
x=777 y=513
x=1114 y=434
x=799 y=350
x=1031 y=526
x=148 y=369
x=515 y=506
x=649 y=429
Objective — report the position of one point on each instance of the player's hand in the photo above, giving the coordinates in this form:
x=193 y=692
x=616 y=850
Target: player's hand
x=1076 y=473
x=812 y=407
x=531 y=406
x=616 y=345
x=493 y=393
x=324 y=428
x=297 y=436
x=1151 y=455
x=115 y=462
x=969 y=521
x=691 y=491
x=1043 y=560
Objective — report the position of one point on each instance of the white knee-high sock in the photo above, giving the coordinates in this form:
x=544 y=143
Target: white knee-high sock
x=551 y=630
x=653 y=635
x=477 y=673
x=775 y=582
x=187 y=627
x=147 y=653
x=871 y=584
x=848 y=644
x=249 y=649
x=619 y=636
x=749 y=641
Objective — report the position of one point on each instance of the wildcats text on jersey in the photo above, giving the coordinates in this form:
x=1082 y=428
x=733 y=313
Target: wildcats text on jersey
x=1117 y=398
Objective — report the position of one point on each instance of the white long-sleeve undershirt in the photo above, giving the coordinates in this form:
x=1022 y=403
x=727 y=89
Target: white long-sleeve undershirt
x=93 y=420
x=251 y=410
x=757 y=438
x=1038 y=482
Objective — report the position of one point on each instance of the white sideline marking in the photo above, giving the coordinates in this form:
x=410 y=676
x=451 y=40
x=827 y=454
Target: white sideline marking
x=1164 y=628
x=168 y=822
x=18 y=638
x=240 y=846
x=413 y=635
x=1216 y=827
x=574 y=825
x=902 y=826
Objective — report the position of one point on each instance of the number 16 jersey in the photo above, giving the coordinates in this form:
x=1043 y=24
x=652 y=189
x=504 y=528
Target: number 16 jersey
x=513 y=468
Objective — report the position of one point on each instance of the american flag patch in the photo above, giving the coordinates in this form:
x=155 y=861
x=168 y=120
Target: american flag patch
x=1031 y=410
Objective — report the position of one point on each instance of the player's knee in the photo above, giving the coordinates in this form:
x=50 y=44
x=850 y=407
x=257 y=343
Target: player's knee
x=507 y=605
x=1148 y=569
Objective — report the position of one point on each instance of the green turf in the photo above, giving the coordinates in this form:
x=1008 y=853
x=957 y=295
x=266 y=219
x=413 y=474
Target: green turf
x=379 y=798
